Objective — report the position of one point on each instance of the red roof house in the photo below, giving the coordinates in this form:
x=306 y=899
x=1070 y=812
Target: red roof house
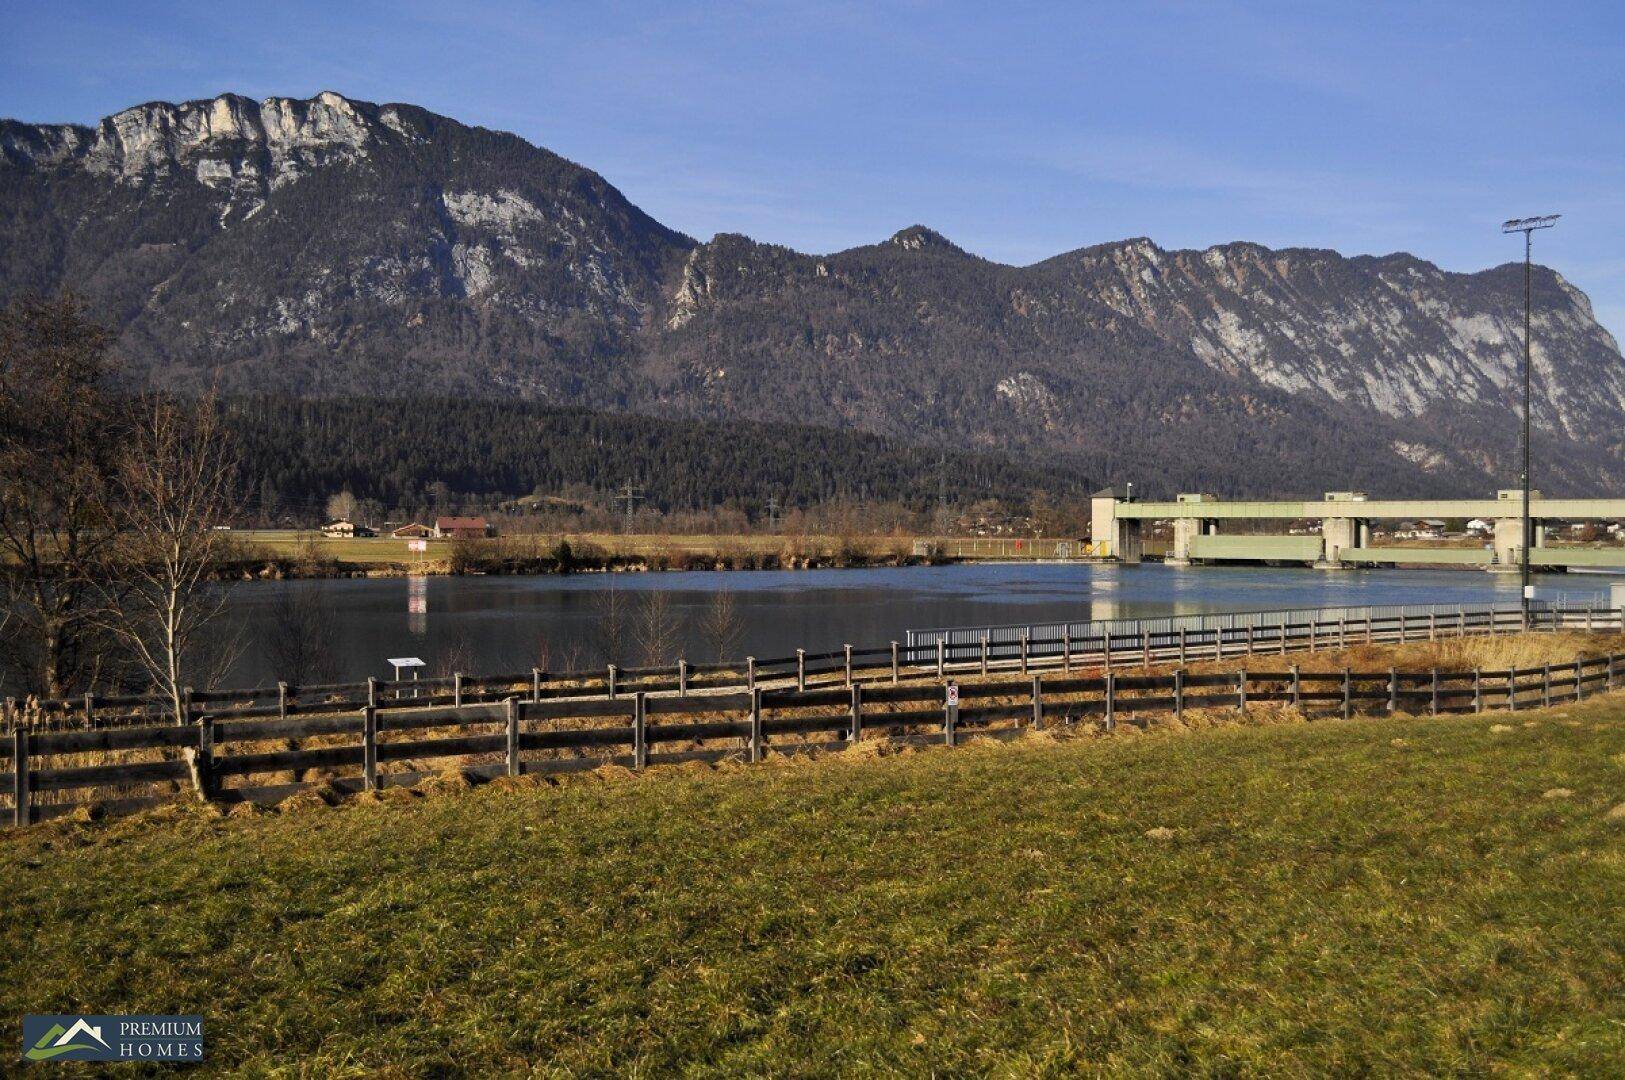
x=462 y=528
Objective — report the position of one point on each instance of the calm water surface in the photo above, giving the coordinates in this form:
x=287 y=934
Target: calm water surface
x=512 y=623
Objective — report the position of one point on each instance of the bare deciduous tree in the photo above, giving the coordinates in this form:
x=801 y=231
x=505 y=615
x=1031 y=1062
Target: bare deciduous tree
x=175 y=485
x=656 y=629
x=302 y=637
x=343 y=506
x=59 y=445
x=722 y=626
x=610 y=631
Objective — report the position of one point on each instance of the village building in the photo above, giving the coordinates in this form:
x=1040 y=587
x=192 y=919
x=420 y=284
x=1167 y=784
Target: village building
x=346 y=530
x=462 y=528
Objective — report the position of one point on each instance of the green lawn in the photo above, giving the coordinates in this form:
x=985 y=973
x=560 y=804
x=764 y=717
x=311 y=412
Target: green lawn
x=1378 y=896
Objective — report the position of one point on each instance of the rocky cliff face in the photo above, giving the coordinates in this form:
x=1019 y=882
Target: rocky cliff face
x=1393 y=334
x=332 y=246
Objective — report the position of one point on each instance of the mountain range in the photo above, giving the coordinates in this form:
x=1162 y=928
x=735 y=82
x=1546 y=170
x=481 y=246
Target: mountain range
x=334 y=248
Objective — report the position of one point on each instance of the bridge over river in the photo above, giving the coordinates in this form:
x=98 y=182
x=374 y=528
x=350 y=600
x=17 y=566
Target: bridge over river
x=1345 y=530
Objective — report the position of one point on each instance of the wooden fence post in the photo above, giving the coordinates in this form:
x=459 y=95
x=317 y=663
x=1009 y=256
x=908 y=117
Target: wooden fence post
x=1111 y=700
x=90 y=708
x=282 y=700
x=369 y=748
x=1546 y=686
x=512 y=709
x=1348 y=694
x=1312 y=624
x=984 y=653
x=1145 y=649
x=1512 y=689
x=613 y=672
x=682 y=677
x=1433 y=625
x=950 y=714
x=1296 y=686
x=640 y=730
x=1282 y=633
x=1343 y=630
x=1184 y=642
x=372 y=691
x=22 y=814
x=1610 y=681
x=1579 y=681
x=750 y=673
x=1179 y=694
x=756 y=739
x=1478 y=690
x=457 y=689
x=1038 y=703
x=203 y=767
x=1106 y=646
x=942 y=657
x=1249 y=639
x=1024 y=650
x=1433 y=699
x=1393 y=689
x=1066 y=649
x=895 y=667
x=848 y=651
x=1241 y=691
x=535 y=684
x=801 y=669
x=857 y=714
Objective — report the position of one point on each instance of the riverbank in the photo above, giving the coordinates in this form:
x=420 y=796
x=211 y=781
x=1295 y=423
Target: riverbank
x=290 y=554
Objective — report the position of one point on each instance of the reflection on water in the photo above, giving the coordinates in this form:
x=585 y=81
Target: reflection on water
x=512 y=623
x=417 y=605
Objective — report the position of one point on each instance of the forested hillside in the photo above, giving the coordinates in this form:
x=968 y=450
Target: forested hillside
x=420 y=455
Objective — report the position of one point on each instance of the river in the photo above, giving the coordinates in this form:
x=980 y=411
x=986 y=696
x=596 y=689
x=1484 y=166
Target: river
x=513 y=623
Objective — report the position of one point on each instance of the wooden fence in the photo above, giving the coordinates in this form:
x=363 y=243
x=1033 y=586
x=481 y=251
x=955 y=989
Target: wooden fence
x=847 y=666
x=233 y=758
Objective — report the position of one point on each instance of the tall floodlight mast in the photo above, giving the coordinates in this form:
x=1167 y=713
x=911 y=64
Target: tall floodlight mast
x=1527 y=226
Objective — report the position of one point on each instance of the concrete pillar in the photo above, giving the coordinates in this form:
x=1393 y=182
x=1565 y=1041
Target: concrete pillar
x=1508 y=545
x=1185 y=530
x=1121 y=535
x=1338 y=535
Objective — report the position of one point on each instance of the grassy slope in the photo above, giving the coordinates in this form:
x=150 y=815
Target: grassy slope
x=1384 y=895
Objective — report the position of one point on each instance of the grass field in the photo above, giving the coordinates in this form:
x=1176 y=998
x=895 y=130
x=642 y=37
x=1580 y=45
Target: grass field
x=1377 y=896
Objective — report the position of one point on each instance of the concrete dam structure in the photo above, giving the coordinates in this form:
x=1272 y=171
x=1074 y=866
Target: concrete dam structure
x=1345 y=518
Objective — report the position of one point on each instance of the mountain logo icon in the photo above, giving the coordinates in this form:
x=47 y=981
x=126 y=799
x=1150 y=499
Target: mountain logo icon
x=59 y=1040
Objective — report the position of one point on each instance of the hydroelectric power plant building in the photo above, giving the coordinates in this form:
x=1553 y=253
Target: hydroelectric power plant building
x=1117 y=520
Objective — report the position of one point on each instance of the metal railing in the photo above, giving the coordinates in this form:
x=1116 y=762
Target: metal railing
x=1012 y=640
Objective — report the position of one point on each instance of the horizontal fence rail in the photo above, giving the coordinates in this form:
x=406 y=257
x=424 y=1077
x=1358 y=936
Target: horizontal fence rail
x=1092 y=640
x=233 y=759
x=1101 y=643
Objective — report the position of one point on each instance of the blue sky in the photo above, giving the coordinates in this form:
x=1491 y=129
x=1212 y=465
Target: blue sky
x=1018 y=130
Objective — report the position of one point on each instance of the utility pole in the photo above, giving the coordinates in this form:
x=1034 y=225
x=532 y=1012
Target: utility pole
x=942 y=494
x=773 y=513
x=629 y=497
x=1527 y=226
